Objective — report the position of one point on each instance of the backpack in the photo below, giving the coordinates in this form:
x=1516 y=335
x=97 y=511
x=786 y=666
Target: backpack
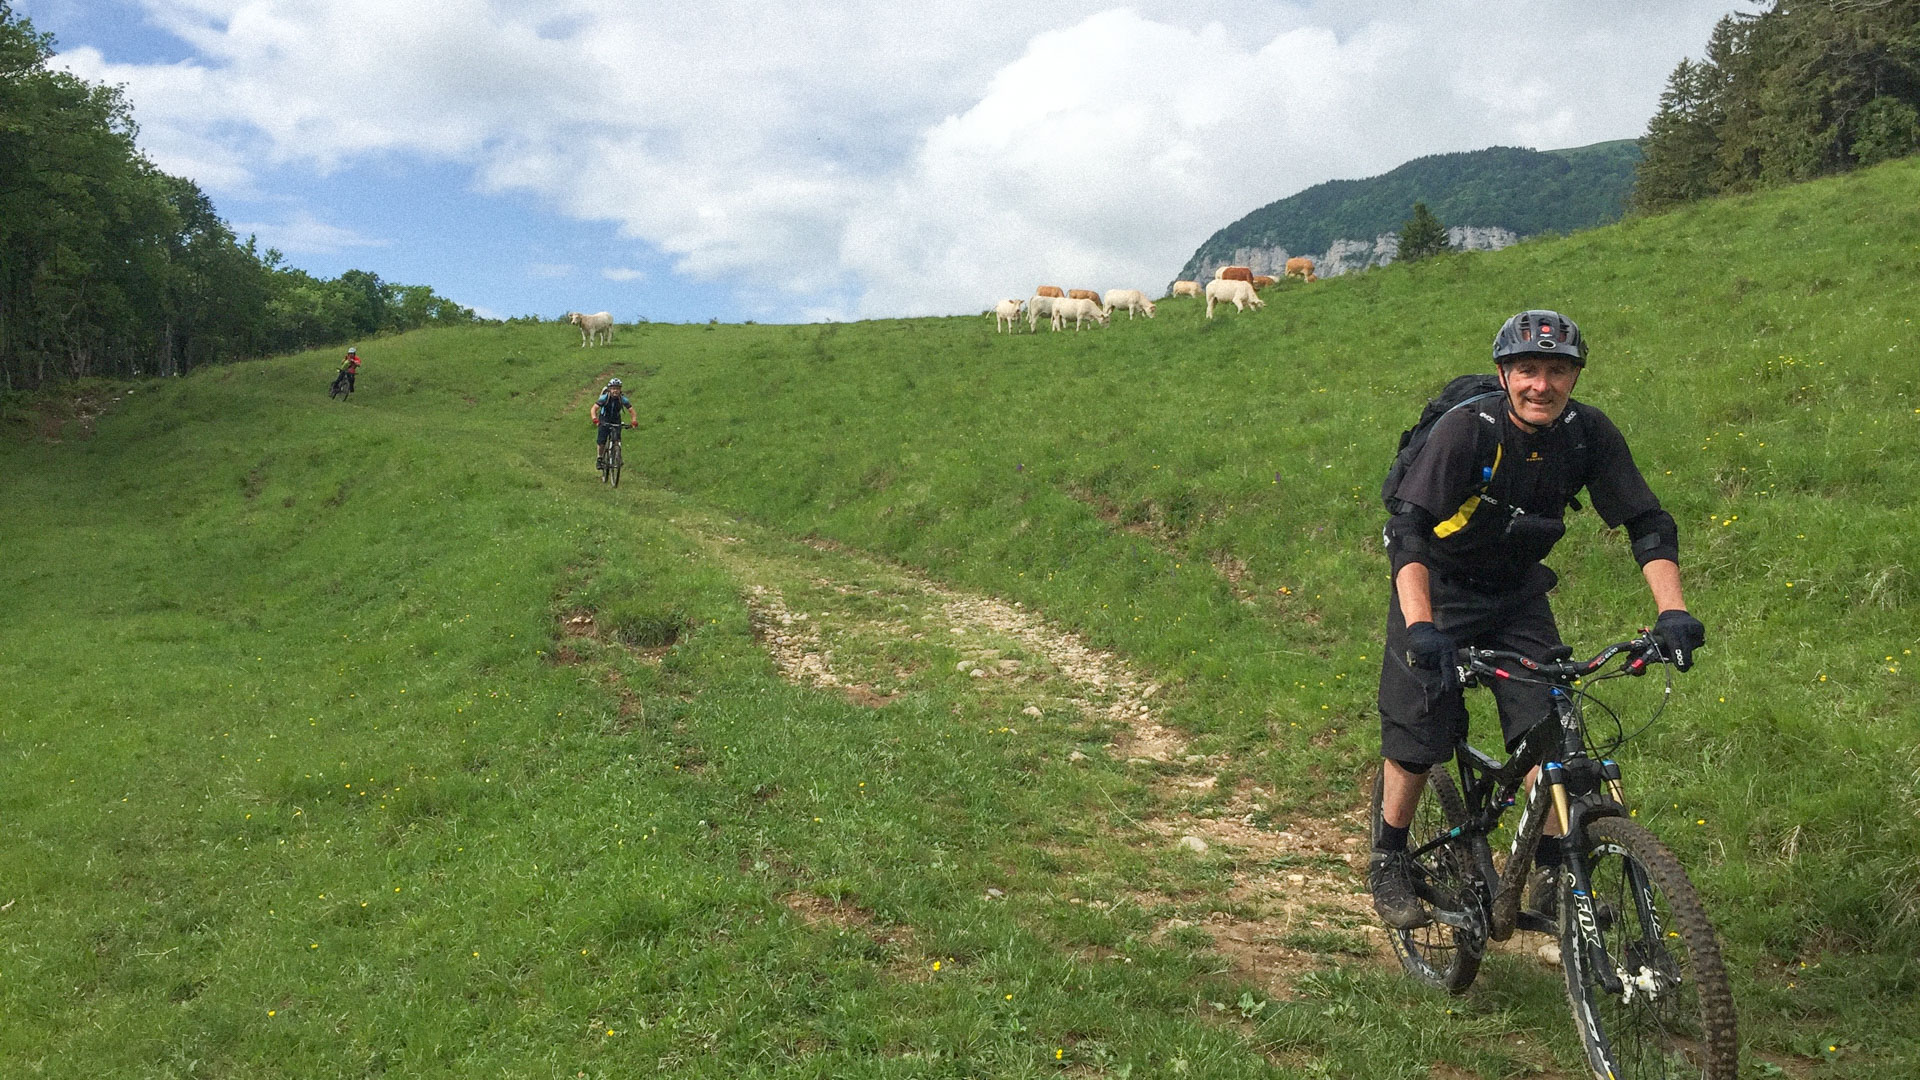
x=1465 y=391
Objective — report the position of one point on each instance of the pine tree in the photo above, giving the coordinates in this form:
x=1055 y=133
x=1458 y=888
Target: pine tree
x=1423 y=236
x=1804 y=89
x=1682 y=141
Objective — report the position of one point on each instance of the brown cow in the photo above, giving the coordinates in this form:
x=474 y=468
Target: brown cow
x=1049 y=290
x=1234 y=273
x=1261 y=281
x=1301 y=267
x=1085 y=294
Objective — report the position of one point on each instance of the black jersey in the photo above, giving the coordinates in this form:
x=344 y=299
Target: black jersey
x=1493 y=537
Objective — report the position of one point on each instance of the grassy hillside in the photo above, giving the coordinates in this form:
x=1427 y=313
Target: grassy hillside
x=381 y=737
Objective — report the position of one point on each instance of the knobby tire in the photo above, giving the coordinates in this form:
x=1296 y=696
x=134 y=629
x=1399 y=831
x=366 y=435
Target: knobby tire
x=1656 y=934
x=616 y=456
x=1448 y=876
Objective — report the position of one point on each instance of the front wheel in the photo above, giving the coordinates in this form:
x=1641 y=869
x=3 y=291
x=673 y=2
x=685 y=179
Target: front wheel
x=1446 y=877
x=614 y=455
x=1673 y=1013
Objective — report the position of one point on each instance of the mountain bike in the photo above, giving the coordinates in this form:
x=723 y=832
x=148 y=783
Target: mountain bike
x=1643 y=969
x=342 y=386
x=609 y=459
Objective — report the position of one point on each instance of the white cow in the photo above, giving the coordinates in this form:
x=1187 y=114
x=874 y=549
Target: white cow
x=1239 y=292
x=1131 y=299
x=1007 y=313
x=1079 y=309
x=1187 y=288
x=593 y=328
x=1039 y=307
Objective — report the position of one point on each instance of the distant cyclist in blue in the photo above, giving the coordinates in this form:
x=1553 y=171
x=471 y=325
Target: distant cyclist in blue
x=605 y=415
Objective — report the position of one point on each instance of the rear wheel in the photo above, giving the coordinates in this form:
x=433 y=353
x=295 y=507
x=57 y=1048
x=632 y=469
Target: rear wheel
x=1673 y=1015
x=1447 y=877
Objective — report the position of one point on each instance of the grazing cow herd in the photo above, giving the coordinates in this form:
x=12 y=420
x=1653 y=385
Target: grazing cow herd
x=1236 y=285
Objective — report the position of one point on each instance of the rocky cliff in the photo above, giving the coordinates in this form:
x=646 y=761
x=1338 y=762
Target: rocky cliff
x=1346 y=255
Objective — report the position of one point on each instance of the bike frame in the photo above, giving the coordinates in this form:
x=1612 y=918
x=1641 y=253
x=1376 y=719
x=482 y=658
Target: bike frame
x=1573 y=786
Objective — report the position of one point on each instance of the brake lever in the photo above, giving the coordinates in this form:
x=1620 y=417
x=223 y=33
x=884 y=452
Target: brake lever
x=1648 y=651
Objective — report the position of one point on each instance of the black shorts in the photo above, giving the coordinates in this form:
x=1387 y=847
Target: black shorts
x=605 y=431
x=1418 y=722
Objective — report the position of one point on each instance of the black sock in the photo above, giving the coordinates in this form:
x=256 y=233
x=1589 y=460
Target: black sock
x=1551 y=853
x=1390 y=838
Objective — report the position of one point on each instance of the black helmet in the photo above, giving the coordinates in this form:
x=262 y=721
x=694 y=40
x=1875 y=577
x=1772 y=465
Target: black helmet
x=1539 y=333
x=613 y=384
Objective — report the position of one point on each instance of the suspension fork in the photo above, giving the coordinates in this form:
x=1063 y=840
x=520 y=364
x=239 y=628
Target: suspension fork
x=1585 y=917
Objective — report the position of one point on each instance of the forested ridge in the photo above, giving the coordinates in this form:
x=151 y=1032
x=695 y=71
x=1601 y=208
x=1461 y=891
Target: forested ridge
x=111 y=267
x=1803 y=89
x=1526 y=191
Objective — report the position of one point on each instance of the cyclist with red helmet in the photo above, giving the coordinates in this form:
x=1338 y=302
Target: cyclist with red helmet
x=1477 y=509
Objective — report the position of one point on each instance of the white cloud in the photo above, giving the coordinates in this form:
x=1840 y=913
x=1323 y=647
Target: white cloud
x=847 y=158
x=623 y=273
x=304 y=234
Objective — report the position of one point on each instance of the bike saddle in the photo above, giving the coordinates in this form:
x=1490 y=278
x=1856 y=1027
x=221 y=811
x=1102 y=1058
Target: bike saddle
x=1558 y=653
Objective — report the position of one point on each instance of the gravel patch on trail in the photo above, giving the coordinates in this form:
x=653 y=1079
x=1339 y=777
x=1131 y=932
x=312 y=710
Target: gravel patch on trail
x=1296 y=898
x=1107 y=688
x=791 y=638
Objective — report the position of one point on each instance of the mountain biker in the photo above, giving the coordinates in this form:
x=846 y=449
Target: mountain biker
x=350 y=367
x=611 y=403
x=1465 y=546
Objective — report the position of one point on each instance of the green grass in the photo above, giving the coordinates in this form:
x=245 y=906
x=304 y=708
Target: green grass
x=297 y=781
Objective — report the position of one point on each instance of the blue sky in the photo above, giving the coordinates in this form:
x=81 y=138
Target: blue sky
x=753 y=161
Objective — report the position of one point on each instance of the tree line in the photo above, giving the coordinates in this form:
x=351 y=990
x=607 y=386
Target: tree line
x=111 y=267
x=1805 y=88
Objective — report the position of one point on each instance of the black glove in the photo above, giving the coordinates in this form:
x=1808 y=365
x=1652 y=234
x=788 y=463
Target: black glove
x=1678 y=634
x=1428 y=648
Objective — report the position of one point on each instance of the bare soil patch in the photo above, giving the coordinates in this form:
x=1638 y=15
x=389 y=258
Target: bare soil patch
x=1297 y=899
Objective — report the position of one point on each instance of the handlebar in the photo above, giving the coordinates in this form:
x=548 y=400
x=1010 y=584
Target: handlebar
x=1476 y=664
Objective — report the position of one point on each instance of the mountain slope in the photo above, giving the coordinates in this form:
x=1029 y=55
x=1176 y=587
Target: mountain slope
x=1503 y=192
x=381 y=736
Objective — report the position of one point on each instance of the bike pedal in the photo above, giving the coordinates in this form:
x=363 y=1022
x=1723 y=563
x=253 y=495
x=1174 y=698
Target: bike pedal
x=1459 y=920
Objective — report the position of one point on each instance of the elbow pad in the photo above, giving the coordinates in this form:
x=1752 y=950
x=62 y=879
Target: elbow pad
x=1654 y=536
x=1407 y=535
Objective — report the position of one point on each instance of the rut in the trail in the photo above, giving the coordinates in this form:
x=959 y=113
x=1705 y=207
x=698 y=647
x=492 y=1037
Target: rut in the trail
x=1296 y=902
